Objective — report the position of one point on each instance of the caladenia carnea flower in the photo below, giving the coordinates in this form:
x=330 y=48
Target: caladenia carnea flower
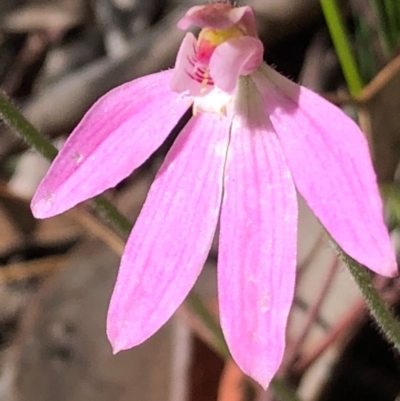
x=254 y=138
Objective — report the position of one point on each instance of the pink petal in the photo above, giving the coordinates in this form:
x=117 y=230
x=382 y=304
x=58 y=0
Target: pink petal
x=187 y=73
x=116 y=136
x=257 y=248
x=330 y=162
x=243 y=55
x=218 y=16
x=172 y=236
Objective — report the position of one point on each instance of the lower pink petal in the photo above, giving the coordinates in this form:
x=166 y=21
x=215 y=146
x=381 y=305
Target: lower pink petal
x=116 y=136
x=172 y=236
x=257 y=248
x=330 y=162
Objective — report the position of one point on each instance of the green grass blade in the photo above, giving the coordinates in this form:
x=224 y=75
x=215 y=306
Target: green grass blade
x=341 y=42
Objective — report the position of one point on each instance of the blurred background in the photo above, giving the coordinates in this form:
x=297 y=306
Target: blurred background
x=56 y=276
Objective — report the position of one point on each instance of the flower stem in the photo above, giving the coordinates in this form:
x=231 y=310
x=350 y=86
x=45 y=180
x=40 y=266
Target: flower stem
x=385 y=319
x=389 y=13
x=282 y=391
x=381 y=27
x=12 y=117
x=196 y=304
x=31 y=135
x=113 y=215
x=340 y=40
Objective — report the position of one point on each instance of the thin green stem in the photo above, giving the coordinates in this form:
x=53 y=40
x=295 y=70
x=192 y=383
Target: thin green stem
x=391 y=195
x=382 y=28
x=385 y=319
x=397 y=13
x=28 y=132
x=12 y=117
x=111 y=213
x=390 y=14
x=340 y=40
x=367 y=61
x=196 y=304
x=283 y=391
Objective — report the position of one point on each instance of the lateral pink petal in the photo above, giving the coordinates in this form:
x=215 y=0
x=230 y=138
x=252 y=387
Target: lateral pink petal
x=116 y=136
x=330 y=162
x=243 y=55
x=172 y=236
x=188 y=73
x=257 y=247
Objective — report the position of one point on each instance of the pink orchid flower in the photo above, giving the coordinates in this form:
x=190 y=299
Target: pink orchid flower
x=254 y=138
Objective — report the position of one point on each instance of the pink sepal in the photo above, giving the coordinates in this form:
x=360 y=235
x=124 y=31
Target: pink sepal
x=257 y=247
x=117 y=135
x=173 y=234
x=329 y=159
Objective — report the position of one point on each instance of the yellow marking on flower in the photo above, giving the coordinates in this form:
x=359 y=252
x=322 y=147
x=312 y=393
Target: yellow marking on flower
x=209 y=39
x=217 y=36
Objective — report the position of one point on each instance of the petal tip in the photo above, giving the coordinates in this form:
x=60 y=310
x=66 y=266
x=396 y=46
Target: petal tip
x=117 y=347
x=262 y=377
x=120 y=334
x=42 y=207
x=261 y=364
x=389 y=269
x=384 y=263
x=117 y=340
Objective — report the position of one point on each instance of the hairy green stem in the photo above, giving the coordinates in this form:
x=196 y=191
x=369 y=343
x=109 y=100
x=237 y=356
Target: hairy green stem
x=385 y=319
x=340 y=40
x=12 y=117
x=28 y=132
x=113 y=215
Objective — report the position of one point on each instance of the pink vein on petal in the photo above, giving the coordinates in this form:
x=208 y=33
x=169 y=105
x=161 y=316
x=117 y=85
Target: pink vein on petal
x=119 y=132
x=172 y=236
x=331 y=166
x=257 y=247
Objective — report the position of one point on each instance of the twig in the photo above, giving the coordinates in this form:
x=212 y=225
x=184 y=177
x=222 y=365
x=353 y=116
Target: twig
x=294 y=348
x=29 y=269
x=356 y=314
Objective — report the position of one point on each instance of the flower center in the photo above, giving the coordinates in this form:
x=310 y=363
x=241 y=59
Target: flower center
x=208 y=68
x=209 y=39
